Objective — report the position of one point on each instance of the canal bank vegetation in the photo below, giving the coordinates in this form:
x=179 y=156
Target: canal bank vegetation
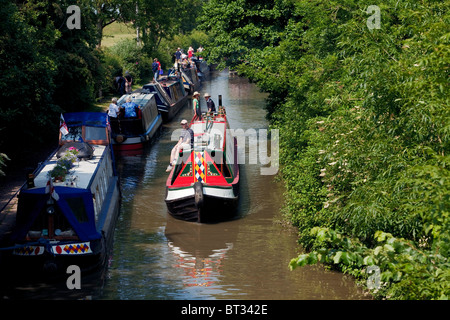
x=49 y=68
x=363 y=115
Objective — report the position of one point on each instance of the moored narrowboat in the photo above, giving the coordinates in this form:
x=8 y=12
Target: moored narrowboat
x=191 y=80
x=131 y=133
x=170 y=95
x=202 y=67
x=203 y=186
x=68 y=208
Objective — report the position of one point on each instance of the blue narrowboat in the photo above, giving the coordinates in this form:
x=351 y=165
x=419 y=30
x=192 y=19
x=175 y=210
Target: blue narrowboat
x=67 y=210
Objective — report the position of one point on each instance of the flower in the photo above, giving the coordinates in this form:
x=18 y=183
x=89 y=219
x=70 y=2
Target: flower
x=64 y=164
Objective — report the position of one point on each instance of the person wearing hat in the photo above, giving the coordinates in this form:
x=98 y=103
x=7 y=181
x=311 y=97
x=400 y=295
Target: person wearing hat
x=196 y=106
x=210 y=103
x=185 y=142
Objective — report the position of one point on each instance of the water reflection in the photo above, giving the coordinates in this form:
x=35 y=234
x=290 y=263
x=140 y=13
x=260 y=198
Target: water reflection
x=199 y=250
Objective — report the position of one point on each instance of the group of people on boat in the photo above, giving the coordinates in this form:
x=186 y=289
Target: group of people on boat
x=128 y=110
x=196 y=104
x=186 y=140
x=185 y=60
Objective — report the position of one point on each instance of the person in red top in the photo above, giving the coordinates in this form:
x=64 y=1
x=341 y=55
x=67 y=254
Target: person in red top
x=190 y=52
x=159 y=67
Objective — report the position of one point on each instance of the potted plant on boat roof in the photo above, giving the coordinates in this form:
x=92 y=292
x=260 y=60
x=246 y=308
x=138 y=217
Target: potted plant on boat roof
x=64 y=164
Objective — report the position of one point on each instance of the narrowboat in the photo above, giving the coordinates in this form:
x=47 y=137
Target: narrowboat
x=202 y=66
x=132 y=133
x=191 y=80
x=169 y=94
x=67 y=216
x=203 y=185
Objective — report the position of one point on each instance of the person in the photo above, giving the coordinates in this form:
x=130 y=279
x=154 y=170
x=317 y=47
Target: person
x=155 y=69
x=186 y=141
x=178 y=56
x=128 y=82
x=190 y=52
x=113 y=108
x=196 y=106
x=199 y=53
x=120 y=84
x=159 y=68
x=210 y=103
x=183 y=56
x=130 y=108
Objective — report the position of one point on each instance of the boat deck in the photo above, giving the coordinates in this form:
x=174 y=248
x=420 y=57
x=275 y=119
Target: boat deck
x=81 y=174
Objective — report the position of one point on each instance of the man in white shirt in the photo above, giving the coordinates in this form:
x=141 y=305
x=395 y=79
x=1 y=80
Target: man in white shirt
x=186 y=141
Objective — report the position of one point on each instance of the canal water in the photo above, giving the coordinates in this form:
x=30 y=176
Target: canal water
x=158 y=257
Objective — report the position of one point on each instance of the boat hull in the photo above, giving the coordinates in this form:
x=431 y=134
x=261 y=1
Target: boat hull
x=169 y=112
x=217 y=204
x=136 y=142
x=50 y=258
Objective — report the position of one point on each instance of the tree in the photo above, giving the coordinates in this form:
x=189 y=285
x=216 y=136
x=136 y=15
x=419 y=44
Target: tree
x=26 y=83
x=241 y=27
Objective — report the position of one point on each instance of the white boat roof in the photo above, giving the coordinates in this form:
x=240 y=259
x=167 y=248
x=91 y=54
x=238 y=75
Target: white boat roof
x=209 y=136
x=80 y=174
x=140 y=98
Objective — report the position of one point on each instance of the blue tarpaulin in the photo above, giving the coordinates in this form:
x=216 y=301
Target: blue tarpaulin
x=75 y=204
x=92 y=119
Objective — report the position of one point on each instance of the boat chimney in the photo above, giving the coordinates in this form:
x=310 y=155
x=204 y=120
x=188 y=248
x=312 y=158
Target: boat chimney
x=220 y=100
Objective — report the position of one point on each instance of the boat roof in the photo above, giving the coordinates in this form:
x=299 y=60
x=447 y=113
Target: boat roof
x=92 y=119
x=141 y=98
x=163 y=81
x=89 y=127
x=81 y=173
x=209 y=134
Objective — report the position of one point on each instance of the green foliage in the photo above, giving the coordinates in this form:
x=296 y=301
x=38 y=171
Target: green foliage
x=26 y=83
x=364 y=129
x=238 y=27
x=64 y=164
x=166 y=50
x=406 y=272
x=3 y=158
x=132 y=58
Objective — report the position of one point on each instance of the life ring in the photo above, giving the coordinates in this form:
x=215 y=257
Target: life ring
x=119 y=138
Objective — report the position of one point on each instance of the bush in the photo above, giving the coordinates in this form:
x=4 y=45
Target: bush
x=132 y=58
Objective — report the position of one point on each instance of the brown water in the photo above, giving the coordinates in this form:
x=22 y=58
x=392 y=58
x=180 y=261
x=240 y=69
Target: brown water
x=158 y=257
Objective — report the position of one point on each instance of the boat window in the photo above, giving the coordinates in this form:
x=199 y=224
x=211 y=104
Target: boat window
x=95 y=133
x=74 y=134
x=78 y=210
